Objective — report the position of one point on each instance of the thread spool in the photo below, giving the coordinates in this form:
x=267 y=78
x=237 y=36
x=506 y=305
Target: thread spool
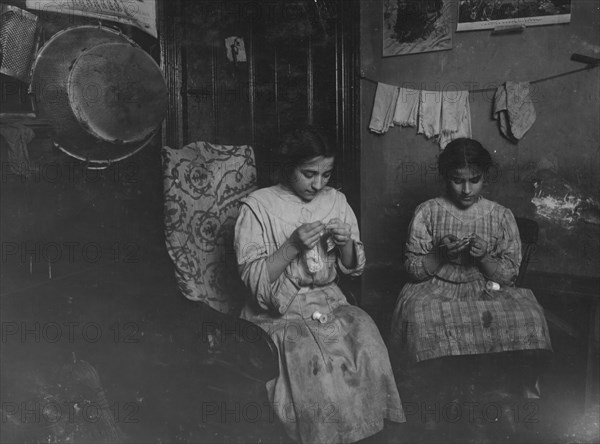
x=318 y=316
x=492 y=286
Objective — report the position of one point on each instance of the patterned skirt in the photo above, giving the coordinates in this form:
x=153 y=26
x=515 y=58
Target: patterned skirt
x=336 y=383
x=438 y=318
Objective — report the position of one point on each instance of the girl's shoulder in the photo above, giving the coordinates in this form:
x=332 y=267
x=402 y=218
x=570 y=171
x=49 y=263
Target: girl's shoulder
x=261 y=193
x=494 y=207
x=279 y=199
x=427 y=206
x=429 y=203
x=334 y=194
x=266 y=197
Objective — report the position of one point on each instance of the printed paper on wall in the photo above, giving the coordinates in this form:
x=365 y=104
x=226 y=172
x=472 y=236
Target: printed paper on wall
x=490 y=14
x=411 y=26
x=138 y=13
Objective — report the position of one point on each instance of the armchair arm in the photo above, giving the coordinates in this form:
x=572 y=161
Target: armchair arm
x=351 y=287
x=239 y=345
x=528 y=232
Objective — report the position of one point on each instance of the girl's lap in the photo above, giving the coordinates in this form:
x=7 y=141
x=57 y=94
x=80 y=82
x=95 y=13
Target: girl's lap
x=346 y=327
x=432 y=293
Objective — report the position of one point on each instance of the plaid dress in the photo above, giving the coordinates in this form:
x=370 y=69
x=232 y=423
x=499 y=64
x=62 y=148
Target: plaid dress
x=335 y=383
x=452 y=313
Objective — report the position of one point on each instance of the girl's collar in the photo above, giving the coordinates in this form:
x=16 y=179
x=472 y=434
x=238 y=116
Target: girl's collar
x=479 y=209
x=288 y=194
x=449 y=201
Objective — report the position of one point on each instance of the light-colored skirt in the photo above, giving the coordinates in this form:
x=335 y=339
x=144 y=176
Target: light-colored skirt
x=335 y=383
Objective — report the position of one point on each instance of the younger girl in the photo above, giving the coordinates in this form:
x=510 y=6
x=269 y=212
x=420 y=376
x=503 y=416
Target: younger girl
x=463 y=254
x=335 y=383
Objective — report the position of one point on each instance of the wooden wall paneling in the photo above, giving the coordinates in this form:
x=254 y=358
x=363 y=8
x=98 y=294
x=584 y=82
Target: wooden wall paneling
x=324 y=92
x=265 y=79
x=325 y=86
x=199 y=93
x=171 y=62
x=220 y=91
x=199 y=72
x=310 y=90
x=347 y=58
x=216 y=95
x=251 y=84
x=350 y=17
x=234 y=115
x=339 y=97
x=265 y=104
x=276 y=87
x=292 y=97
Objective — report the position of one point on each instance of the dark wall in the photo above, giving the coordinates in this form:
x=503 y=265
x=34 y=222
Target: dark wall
x=398 y=168
x=61 y=217
x=75 y=218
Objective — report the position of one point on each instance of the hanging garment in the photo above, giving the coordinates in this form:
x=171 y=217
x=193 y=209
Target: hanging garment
x=514 y=110
x=456 y=117
x=384 y=107
x=430 y=113
x=407 y=107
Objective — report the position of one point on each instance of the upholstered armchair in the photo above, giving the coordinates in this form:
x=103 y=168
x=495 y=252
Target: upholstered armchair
x=203 y=184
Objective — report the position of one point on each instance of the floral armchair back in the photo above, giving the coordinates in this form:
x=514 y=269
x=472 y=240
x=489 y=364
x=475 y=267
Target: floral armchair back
x=203 y=184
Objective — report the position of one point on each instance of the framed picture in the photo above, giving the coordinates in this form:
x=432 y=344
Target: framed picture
x=489 y=14
x=414 y=26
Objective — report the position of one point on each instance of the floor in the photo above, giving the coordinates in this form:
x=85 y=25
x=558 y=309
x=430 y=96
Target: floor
x=112 y=353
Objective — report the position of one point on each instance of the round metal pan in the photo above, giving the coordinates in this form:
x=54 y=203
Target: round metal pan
x=92 y=106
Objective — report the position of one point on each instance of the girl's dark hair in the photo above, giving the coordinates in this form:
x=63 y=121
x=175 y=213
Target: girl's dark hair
x=299 y=146
x=464 y=153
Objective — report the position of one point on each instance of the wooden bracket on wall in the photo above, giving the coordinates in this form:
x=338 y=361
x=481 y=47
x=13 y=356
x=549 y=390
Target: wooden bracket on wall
x=591 y=61
x=508 y=29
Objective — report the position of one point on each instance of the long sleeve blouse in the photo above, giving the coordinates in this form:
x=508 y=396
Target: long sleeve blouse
x=267 y=219
x=438 y=217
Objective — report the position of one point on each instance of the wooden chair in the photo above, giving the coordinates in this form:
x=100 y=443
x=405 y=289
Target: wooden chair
x=528 y=232
x=242 y=347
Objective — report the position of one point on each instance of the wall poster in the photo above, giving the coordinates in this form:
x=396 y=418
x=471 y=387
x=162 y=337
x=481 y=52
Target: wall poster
x=490 y=14
x=411 y=26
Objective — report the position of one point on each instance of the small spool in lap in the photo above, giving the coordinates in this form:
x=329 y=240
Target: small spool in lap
x=318 y=316
x=492 y=286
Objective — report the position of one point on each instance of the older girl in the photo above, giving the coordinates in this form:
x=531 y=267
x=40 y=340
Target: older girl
x=335 y=383
x=463 y=254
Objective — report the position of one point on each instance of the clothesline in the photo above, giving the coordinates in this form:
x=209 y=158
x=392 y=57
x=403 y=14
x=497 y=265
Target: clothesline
x=544 y=79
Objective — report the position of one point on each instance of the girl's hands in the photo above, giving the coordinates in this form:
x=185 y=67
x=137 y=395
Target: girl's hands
x=478 y=247
x=451 y=247
x=306 y=236
x=340 y=231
